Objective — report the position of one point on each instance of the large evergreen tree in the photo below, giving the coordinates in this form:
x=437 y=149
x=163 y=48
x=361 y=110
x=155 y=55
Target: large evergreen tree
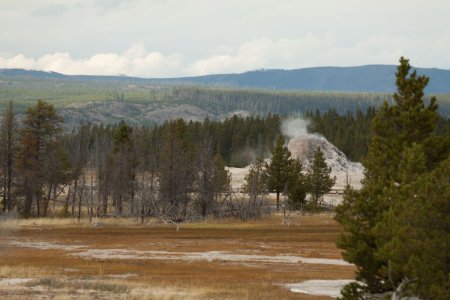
x=414 y=234
x=176 y=170
x=318 y=179
x=38 y=135
x=296 y=186
x=123 y=165
x=279 y=168
x=401 y=132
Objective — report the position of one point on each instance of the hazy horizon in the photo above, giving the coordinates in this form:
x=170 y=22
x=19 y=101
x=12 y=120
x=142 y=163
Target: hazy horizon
x=212 y=74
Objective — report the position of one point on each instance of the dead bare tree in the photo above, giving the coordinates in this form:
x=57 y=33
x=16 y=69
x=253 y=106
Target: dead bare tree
x=81 y=194
x=8 y=141
x=256 y=189
x=212 y=179
x=57 y=173
x=78 y=156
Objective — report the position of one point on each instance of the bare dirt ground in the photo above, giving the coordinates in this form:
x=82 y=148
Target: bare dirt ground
x=108 y=259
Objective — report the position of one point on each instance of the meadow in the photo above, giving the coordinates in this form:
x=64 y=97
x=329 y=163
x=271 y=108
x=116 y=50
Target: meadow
x=123 y=259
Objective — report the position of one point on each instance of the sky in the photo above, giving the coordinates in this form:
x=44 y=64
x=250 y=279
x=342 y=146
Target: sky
x=174 y=38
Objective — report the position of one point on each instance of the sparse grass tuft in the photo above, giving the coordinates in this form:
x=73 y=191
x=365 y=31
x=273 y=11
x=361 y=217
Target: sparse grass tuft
x=24 y=271
x=68 y=222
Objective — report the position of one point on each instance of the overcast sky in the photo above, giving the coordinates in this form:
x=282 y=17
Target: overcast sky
x=172 y=38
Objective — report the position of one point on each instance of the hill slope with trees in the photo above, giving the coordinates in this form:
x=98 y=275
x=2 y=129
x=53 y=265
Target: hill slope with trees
x=138 y=101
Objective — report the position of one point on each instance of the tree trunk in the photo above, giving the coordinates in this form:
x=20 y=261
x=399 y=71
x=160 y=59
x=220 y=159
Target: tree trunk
x=9 y=172
x=54 y=197
x=91 y=200
x=38 y=204
x=79 y=205
x=8 y=140
x=105 y=203
x=4 y=194
x=47 y=200
x=132 y=208
x=66 y=205
x=278 y=201
x=28 y=203
x=74 y=198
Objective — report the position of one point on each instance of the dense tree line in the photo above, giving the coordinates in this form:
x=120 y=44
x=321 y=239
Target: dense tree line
x=122 y=165
x=168 y=170
x=351 y=131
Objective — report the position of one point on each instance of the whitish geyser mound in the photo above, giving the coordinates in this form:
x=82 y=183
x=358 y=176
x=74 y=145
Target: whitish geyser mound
x=303 y=147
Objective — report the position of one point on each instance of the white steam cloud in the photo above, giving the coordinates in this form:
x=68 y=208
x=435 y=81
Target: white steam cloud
x=294 y=128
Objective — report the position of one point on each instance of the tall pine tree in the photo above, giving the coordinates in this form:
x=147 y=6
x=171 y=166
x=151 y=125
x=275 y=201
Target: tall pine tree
x=296 y=186
x=395 y=129
x=318 y=179
x=279 y=168
x=40 y=128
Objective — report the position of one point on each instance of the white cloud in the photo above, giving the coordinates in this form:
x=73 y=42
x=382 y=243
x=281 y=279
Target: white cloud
x=200 y=37
x=136 y=61
x=315 y=50
x=18 y=61
x=307 y=51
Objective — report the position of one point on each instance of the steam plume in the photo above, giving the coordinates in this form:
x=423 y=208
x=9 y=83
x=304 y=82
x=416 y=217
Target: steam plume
x=294 y=128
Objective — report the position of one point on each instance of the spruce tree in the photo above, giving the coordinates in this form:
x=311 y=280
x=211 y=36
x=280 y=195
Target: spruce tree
x=176 y=169
x=279 y=168
x=318 y=179
x=123 y=164
x=40 y=128
x=296 y=186
x=365 y=214
x=413 y=235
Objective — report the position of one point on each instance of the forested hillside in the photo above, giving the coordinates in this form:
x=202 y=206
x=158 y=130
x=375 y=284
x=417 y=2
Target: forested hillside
x=108 y=100
x=371 y=78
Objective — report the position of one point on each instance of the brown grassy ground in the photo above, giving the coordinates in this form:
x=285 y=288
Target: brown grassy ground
x=58 y=273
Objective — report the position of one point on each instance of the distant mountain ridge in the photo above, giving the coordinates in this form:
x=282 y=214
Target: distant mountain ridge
x=369 y=78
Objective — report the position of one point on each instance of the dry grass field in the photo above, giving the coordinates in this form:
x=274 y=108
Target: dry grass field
x=122 y=259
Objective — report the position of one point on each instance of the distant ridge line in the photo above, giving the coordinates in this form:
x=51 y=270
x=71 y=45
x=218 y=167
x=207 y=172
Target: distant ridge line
x=367 y=78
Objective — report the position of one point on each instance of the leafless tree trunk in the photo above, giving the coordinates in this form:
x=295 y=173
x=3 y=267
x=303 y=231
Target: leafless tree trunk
x=74 y=197
x=81 y=194
x=8 y=139
x=91 y=198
